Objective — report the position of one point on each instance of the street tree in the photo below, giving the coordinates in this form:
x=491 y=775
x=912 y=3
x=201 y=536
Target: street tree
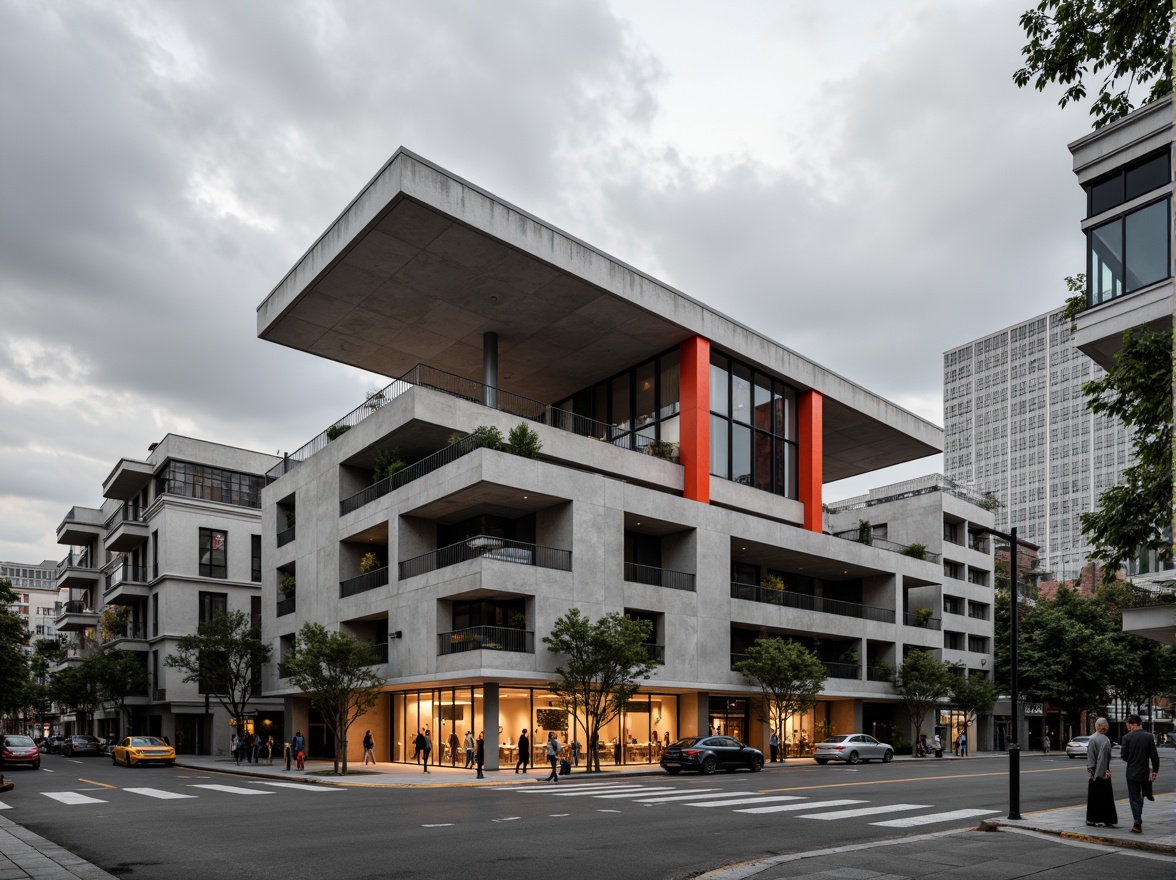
x=120 y=674
x=1137 y=390
x=14 y=635
x=1128 y=42
x=224 y=657
x=335 y=672
x=602 y=667
x=789 y=676
x=77 y=688
x=971 y=694
x=921 y=683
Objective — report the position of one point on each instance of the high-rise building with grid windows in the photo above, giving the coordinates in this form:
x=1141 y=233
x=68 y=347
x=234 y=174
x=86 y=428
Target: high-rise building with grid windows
x=1016 y=426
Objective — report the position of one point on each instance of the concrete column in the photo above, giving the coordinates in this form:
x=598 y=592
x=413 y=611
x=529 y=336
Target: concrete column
x=694 y=424
x=810 y=412
x=492 y=723
x=490 y=369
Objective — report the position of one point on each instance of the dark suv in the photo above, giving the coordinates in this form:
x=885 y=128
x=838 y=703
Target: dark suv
x=706 y=754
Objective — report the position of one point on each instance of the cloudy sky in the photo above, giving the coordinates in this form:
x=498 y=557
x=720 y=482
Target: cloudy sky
x=860 y=180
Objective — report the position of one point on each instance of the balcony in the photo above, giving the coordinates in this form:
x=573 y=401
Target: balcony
x=842 y=670
x=414 y=471
x=126 y=585
x=929 y=623
x=486 y=547
x=486 y=638
x=879 y=673
x=658 y=577
x=76 y=615
x=364 y=582
x=911 y=550
x=422 y=376
x=133 y=638
x=381 y=652
x=286 y=535
x=286 y=606
x=127 y=479
x=81 y=527
x=125 y=529
x=787 y=599
x=77 y=572
x=656 y=652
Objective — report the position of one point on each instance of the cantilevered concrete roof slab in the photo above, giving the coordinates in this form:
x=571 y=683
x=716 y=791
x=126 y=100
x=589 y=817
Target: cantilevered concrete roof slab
x=421 y=264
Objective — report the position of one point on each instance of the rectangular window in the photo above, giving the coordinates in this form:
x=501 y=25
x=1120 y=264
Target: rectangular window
x=214 y=553
x=741 y=454
x=212 y=604
x=154 y=615
x=255 y=558
x=953 y=641
x=951 y=605
x=951 y=569
x=1128 y=253
x=154 y=555
x=719 y=448
x=975 y=576
x=669 y=394
x=978 y=644
x=209 y=483
x=720 y=400
x=978 y=610
x=255 y=610
x=645 y=398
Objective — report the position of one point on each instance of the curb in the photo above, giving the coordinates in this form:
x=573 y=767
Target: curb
x=1119 y=843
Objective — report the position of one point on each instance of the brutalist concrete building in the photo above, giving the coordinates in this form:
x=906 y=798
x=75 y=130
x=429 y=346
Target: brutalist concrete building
x=682 y=463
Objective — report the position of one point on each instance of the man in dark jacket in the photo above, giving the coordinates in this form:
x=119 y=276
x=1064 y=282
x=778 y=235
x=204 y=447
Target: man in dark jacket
x=524 y=752
x=1138 y=749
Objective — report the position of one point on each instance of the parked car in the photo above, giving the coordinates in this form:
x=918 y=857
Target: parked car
x=133 y=750
x=52 y=744
x=706 y=754
x=20 y=749
x=852 y=748
x=81 y=745
x=1076 y=747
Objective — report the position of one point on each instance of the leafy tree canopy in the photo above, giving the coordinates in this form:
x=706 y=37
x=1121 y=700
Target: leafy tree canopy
x=922 y=683
x=335 y=672
x=1127 y=42
x=789 y=676
x=224 y=657
x=972 y=694
x=603 y=664
x=14 y=635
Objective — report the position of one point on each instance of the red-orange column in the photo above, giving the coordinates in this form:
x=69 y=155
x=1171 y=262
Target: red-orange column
x=694 y=439
x=810 y=418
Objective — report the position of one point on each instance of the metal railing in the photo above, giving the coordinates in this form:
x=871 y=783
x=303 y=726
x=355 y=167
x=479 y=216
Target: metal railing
x=415 y=471
x=286 y=535
x=424 y=376
x=788 y=599
x=842 y=670
x=74 y=560
x=656 y=652
x=132 y=631
x=883 y=544
x=736 y=658
x=124 y=513
x=930 y=623
x=126 y=574
x=364 y=582
x=73 y=606
x=879 y=673
x=381 y=652
x=286 y=606
x=658 y=577
x=486 y=638
x=484 y=546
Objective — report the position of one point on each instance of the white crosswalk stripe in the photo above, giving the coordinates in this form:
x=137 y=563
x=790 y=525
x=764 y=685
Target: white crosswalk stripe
x=298 y=786
x=758 y=799
x=931 y=818
x=72 y=797
x=634 y=794
x=634 y=789
x=159 y=793
x=865 y=811
x=548 y=789
x=4 y=806
x=697 y=794
x=786 y=808
x=232 y=789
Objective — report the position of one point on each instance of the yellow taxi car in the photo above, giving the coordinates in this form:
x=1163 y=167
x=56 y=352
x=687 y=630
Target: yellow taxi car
x=134 y=750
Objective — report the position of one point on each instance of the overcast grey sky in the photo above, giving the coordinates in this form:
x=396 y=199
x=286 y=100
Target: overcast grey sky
x=859 y=180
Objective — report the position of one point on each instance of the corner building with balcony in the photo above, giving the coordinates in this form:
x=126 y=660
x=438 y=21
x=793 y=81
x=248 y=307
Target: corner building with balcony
x=176 y=540
x=682 y=463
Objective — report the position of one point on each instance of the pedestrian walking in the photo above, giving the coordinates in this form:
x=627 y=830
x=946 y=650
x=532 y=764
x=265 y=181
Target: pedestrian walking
x=1045 y=743
x=240 y=749
x=937 y=745
x=269 y=748
x=233 y=749
x=962 y=742
x=424 y=746
x=255 y=748
x=369 y=748
x=553 y=748
x=576 y=752
x=1100 y=795
x=454 y=745
x=298 y=745
x=480 y=754
x=524 y=752
x=469 y=749
x=1138 y=749
x=774 y=746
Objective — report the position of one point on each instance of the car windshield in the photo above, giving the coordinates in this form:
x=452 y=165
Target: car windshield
x=145 y=741
x=85 y=739
x=685 y=743
x=19 y=741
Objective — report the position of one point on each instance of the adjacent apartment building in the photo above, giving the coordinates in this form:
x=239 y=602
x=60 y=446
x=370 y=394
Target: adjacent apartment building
x=1016 y=426
x=176 y=540
x=679 y=482
x=36 y=591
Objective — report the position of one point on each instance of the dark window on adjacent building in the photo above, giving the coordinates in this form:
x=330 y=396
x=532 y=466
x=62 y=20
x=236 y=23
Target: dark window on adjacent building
x=214 y=553
x=255 y=558
x=753 y=427
x=1129 y=252
x=212 y=604
x=978 y=644
x=255 y=610
x=1129 y=182
x=154 y=615
x=487 y=612
x=154 y=554
x=209 y=483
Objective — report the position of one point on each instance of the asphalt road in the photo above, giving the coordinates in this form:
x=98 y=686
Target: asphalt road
x=179 y=824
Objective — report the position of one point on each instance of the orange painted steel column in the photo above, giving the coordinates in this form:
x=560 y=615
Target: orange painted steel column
x=810 y=414
x=694 y=433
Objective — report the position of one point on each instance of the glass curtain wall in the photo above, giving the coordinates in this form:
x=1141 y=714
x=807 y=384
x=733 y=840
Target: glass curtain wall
x=445 y=714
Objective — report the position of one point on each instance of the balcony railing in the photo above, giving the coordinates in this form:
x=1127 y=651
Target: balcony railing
x=135 y=631
x=286 y=606
x=929 y=623
x=879 y=673
x=286 y=536
x=74 y=560
x=73 y=606
x=467 y=389
x=658 y=577
x=656 y=652
x=788 y=599
x=842 y=670
x=363 y=583
x=414 y=471
x=484 y=546
x=126 y=574
x=893 y=547
x=124 y=513
x=381 y=652
x=486 y=638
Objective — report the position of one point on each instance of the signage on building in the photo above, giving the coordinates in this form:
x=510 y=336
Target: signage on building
x=1033 y=708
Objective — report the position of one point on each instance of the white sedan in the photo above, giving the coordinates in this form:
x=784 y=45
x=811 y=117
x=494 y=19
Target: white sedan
x=852 y=748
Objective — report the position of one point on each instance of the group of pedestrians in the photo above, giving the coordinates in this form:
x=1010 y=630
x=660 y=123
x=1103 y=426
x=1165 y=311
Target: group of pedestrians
x=1138 y=750
x=248 y=748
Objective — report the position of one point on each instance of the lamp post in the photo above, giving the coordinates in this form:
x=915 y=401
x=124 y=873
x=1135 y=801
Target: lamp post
x=1014 y=693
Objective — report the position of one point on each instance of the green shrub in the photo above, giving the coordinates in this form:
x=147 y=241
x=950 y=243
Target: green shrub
x=290 y=519
x=388 y=463
x=663 y=449
x=916 y=551
x=524 y=441
x=865 y=532
x=287 y=585
x=336 y=431
x=484 y=437
x=368 y=562
x=923 y=616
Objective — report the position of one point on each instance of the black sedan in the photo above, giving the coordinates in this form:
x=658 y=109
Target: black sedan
x=81 y=745
x=706 y=754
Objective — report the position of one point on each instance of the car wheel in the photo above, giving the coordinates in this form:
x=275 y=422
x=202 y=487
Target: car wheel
x=37 y=766
x=853 y=758
x=757 y=764
x=673 y=771
x=888 y=757
x=709 y=766
x=114 y=759
x=821 y=761
x=127 y=758
x=169 y=763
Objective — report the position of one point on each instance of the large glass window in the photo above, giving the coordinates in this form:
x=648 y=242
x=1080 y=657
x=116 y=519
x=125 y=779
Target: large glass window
x=214 y=553
x=209 y=483
x=1129 y=252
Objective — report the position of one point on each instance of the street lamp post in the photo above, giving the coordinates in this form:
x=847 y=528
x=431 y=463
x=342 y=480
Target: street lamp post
x=1014 y=693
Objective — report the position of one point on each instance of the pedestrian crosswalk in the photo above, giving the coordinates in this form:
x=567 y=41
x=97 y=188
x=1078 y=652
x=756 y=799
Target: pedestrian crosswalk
x=78 y=799
x=749 y=802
